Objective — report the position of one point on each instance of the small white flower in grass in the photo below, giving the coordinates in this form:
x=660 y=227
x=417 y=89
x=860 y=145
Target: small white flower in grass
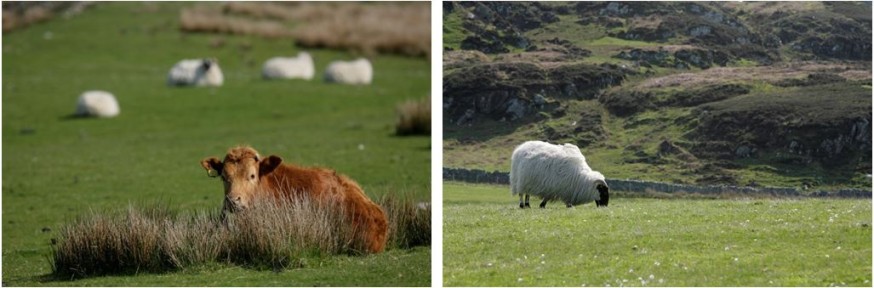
x=657 y=263
x=661 y=280
x=631 y=270
x=651 y=277
x=361 y=147
x=519 y=280
x=727 y=248
x=735 y=259
x=542 y=262
x=839 y=247
x=489 y=264
x=826 y=256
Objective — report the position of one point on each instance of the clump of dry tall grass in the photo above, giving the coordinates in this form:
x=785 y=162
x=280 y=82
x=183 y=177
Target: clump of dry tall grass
x=203 y=19
x=409 y=223
x=20 y=14
x=414 y=117
x=367 y=28
x=271 y=235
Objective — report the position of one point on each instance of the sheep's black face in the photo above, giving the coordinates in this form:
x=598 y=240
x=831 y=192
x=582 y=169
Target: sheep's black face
x=604 y=192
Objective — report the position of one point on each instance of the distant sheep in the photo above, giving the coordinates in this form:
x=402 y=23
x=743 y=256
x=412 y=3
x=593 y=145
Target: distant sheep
x=196 y=72
x=350 y=72
x=300 y=67
x=97 y=103
x=555 y=172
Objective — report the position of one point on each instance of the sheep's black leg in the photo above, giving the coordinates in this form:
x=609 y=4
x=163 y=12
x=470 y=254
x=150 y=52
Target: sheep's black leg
x=521 y=204
x=527 y=197
x=568 y=205
x=543 y=204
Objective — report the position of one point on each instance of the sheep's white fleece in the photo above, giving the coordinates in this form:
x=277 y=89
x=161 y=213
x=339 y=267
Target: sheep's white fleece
x=196 y=72
x=554 y=172
x=350 y=72
x=300 y=67
x=96 y=103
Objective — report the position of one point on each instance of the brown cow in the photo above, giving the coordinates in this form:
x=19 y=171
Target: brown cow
x=246 y=176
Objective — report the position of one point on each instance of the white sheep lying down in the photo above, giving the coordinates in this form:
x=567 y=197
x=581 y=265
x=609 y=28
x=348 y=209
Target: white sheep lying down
x=300 y=67
x=555 y=172
x=350 y=72
x=96 y=103
x=196 y=72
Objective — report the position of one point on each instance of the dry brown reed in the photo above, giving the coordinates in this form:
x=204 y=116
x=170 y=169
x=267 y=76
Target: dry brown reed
x=367 y=28
x=414 y=117
x=20 y=14
x=271 y=235
x=409 y=222
x=207 y=20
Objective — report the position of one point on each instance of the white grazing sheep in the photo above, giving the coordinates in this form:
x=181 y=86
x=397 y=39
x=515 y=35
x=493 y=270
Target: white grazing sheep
x=300 y=67
x=350 y=72
x=97 y=103
x=555 y=172
x=196 y=72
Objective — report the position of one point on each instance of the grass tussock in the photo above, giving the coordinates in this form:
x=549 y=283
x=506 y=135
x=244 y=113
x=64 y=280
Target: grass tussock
x=367 y=28
x=409 y=223
x=270 y=236
x=20 y=14
x=414 y=117
x=205 y=20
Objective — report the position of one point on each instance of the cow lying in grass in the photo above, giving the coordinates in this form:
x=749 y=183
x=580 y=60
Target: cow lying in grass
x=247 y=176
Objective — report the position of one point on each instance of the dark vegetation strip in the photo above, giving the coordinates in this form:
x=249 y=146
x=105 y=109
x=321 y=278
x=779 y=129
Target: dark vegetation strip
x=646 y=187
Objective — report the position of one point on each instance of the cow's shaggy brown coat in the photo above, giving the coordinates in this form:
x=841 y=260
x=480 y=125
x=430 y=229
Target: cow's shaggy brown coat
x=247 y=176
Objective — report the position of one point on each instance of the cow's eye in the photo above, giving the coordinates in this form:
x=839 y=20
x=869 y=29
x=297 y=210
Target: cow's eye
x=252 y=176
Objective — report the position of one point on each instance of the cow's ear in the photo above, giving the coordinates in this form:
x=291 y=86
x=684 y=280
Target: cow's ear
x=212 y=165
x=269 y=164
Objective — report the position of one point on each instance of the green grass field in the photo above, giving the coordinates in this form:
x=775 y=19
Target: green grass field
x=56 y=169
x=489 y=241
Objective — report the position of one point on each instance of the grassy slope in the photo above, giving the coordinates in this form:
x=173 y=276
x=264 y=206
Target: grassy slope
x=489 y=145
x=152 y=150
x=489 y=241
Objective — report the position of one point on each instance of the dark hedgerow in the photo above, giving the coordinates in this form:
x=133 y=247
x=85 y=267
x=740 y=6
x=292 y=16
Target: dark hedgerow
x=270 y=236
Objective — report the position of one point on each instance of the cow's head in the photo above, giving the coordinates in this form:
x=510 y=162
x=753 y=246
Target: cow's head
x=603 y=193
x=241 y=172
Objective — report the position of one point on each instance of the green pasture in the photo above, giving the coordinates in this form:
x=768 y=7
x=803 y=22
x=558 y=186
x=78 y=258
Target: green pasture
x=489 y=241
x=56 y=168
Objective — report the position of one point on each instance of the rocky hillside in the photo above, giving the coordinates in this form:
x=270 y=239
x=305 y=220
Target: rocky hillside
x=766 y=93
